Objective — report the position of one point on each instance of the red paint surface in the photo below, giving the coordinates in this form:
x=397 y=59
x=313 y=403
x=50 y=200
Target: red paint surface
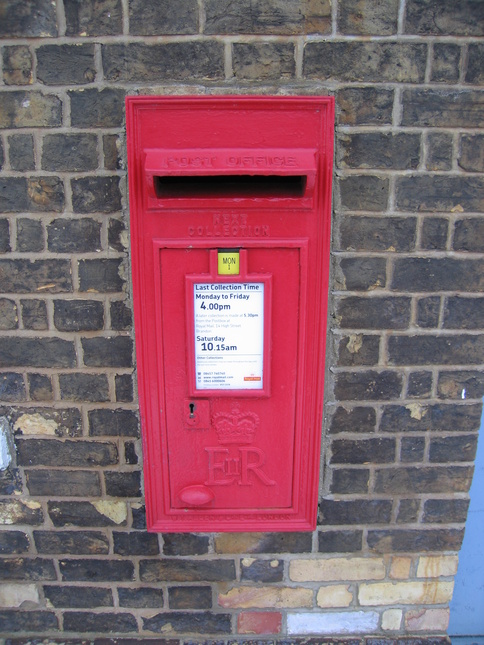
x=256 y=177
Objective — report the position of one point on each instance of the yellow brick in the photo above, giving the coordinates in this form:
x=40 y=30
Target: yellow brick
x=437 y=566
x=391 y=620
x=400 y=568
x=335 y=569
x=430 y=620
x=405 y=593
x=334 y=596
x=264 y=597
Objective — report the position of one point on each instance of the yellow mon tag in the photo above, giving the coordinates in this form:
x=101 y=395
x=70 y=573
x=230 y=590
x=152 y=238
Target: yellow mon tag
x=228 y=263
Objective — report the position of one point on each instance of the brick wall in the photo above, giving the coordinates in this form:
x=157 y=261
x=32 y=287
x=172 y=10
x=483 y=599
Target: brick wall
x=405 y=377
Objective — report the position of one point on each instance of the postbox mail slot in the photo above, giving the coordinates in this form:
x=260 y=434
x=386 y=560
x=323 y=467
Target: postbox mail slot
x=261 y=174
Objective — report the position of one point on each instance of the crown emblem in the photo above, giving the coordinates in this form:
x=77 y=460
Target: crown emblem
x=235 y=426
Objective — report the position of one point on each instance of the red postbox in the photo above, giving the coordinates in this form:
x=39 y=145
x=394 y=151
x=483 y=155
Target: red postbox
x=230 y=201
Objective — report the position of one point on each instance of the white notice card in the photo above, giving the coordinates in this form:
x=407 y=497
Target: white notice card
x=229 y=335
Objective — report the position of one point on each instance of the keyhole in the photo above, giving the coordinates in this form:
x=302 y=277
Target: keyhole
x=191 y=407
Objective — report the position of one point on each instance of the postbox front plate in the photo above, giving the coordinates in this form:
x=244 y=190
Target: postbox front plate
x=230 y=201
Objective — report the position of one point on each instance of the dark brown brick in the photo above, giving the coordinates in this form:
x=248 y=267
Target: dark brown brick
x=84 y=387
x=63 y=483
x=444 y=17
x=4 y=236
x=112 y=152
x=445 y=511
x=182 y=622
x=93 y=108
x=358 y=419
x=417 y=540
x=434 y=234
x=66 y=421
x=464 y=313
x=475 y=61
x=40 y=387
x=368 y=62
x=378 y=312
x=28 y=621
x=66 y=64
x=423 y=350
x=453 y=448
x=369 y=18
x=8 y=314
x=36 y=352
x=96 y=570
x=442 y=417
x=78 y=315
x=69 y=152
x=438 y=274
x=364 y=193
x=71 y=542
x=350 y=480
x=97 y=18
x=190 y=597
x=81 y=235
x=428 y=479
x=30 y=235
x=17 y=65
x=465 y=384
x=354 y=512
x=439 y=151
x=37 y=194
x=363 y=273
x=31 y=19
x=123 y=484
x=412 y=449
x=358 y=349
x=365 y=106
x=44 y=110
x=130 y=454
x=78 y=597
x=158 y=18
x=51 y=452
x=24 y=276
x=339 y=541
x=443 y=108
x=121 y=317
x=113 y=423
x=21 y=151
x=96 y=194
x=123 y=384
x=258 y=570
x=116 y=351
x=362 y=451
x=117 y=235
x=428 y=312
x=102 y=276
x=85 y=622
x=12 y=387
x=408 y=510
x=27 y=569
x=13 y=542
x=83 y=514
x=261 y=61
x=368 y=385
x=180 y=570
x=140 y=597
x=379 y=150
x=185 y=544
x=378 y=233
x=445 y=63
x=471 y=155
x=419 y=384
x=268 y=17
x=439 y=193
x=467 y=235
x=263 y=543
x=135 y=543
x=180 y=61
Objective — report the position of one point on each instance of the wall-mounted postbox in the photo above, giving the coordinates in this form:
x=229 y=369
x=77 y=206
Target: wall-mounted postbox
x=230 y=201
